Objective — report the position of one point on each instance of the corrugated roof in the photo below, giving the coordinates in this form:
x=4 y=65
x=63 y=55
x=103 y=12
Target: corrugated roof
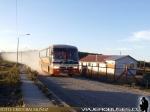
x=101 y=58
x=115 y=57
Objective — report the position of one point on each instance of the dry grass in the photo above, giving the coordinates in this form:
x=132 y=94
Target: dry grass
x=10 y=91
x=32 y=75
x=9 y=73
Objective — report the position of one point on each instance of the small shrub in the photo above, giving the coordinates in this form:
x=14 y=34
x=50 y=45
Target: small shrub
x=31 y=74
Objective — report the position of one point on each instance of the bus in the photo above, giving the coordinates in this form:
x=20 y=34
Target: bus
x=60 y=60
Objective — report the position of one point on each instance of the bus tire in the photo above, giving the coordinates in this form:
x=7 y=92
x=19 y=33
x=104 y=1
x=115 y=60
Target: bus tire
x=51 y=75
x=70 y=75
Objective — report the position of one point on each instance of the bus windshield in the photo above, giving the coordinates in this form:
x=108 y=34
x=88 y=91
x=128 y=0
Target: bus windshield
x=68 y=55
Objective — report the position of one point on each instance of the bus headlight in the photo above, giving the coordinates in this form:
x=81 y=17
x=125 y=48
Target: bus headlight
x=75 y=67
x=56 y=67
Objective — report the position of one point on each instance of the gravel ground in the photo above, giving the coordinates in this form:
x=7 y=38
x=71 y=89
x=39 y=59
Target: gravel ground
x=78 y=92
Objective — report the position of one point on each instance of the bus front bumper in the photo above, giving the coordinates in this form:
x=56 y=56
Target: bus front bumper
x=65 y=71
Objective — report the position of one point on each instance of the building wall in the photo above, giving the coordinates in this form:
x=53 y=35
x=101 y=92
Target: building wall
x=110 y=66
x=113 y=67
x=97 y=67
x=123 y=62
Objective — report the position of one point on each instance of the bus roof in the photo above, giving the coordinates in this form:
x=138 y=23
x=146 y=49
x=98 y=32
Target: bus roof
x=63 y=46
x=59 y=46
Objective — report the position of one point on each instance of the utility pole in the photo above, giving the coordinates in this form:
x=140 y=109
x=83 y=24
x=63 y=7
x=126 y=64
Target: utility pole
x=120 y=53
x=17 y=49
x=18 y=46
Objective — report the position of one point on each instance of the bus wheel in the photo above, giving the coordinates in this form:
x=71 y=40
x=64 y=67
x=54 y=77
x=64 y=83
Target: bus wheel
x=52 y=75
x=70 y=75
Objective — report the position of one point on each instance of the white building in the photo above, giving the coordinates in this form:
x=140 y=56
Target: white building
x=112 y=64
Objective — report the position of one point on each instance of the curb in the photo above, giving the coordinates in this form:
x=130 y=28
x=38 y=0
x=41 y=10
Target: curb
x=52 y=96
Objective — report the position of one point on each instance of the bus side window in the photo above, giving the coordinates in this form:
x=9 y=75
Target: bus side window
x=50 y=55
x=50 y=51
x=39 y=54
x=47 y=52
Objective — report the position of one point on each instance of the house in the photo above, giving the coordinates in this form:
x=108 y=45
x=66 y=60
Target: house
x=112 y=64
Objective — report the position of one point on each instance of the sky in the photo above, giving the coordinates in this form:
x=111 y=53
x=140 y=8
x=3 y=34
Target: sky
x=101 y=26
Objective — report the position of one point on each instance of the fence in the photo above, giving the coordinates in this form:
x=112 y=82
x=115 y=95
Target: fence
x=110 y=74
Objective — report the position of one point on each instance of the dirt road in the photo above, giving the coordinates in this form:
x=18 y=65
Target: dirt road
x=77 y=91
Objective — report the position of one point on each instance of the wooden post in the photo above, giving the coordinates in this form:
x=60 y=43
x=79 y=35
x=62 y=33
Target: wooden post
x=147 y=84
x=82 y=69
x=139 y=64
x=95 y=74
x=144 y=67
x=126 y=71
x=106 y=70
x=97 y=70
x=115 y=72
x=87 y=70
x=92 y=71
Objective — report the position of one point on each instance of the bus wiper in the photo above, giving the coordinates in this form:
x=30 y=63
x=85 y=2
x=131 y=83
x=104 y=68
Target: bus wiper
x=59 y=61
x=72 y=61
x=63 y=61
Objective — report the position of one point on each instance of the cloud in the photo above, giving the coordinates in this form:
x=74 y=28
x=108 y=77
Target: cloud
x=140 y=36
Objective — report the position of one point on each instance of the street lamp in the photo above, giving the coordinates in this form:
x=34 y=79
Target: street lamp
x=18 y=45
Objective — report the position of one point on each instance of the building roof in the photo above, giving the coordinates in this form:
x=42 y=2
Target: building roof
x=102 y=58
